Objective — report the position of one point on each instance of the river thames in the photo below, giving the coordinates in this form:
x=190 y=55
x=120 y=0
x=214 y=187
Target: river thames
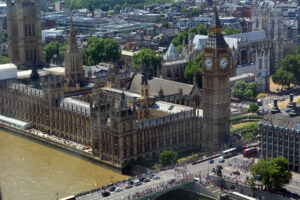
x=32 y=171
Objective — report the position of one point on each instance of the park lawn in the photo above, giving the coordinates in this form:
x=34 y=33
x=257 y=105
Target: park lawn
x=239 y=125
x=298 y=101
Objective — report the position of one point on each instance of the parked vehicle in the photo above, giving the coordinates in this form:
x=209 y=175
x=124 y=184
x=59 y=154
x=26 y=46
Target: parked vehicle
x=211 y=161
x=171 y=180
x=118 y=189
x=112 y=188
x=146 y=180
x=156 y=177
x=105 y=194
x=128 y=186
x=137 y=183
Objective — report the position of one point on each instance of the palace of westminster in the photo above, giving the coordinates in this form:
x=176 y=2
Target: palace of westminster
x=120 y=124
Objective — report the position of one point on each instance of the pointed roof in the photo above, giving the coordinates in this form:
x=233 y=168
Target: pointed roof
x=72 y=42
x=172 y=53
x=215 y=21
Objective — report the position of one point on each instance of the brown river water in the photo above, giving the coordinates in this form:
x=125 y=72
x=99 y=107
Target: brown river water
x=33 y=171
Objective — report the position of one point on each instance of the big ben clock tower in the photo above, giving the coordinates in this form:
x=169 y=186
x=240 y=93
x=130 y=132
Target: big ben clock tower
x=215 y=88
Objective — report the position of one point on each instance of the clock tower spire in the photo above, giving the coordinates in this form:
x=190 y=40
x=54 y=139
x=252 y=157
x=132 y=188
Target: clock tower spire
x=215 y=88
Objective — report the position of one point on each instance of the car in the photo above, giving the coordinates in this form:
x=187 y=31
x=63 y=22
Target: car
x=130 y=182
x=151 y=176
x=156 y=177
x=128 y=186
x=211 y=161
x=221 y=159
x=236 y=172
x=146 y=180
x=141 y=179
x=105 y=194
x=171 y=180
x=118 y=189
x=112 y=188
x=137 y=183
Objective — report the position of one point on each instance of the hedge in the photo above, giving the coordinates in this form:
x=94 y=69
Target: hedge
x=238 y=118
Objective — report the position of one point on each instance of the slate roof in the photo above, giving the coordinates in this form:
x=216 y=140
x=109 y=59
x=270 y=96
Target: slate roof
x=168 y=87
x=232 y=40
x=172 y=53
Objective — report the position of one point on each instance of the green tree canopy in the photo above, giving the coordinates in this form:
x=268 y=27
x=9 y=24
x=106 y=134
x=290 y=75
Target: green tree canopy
x=194 y=12
x=253 y=107
x=167 y=157
x=51 y=49
x=102 y=50
x=243 y=90
x=274 y=173
x=194 y=68
x=250 y=90
x=4 y=59
x=3 y=37
x=231 y=31
x=184 y=35
x=289 y=70
x=147 y=56
x=106 y=5
x=238 y=89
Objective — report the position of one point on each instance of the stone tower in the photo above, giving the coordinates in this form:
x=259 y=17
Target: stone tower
x=74 y=75
x=24 y=33
x=216 y=89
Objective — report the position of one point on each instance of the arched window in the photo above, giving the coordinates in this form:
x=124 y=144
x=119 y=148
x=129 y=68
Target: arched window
x=33 y=30
x=26 y=30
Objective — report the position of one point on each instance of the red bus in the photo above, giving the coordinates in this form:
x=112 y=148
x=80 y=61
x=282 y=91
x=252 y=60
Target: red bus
x=249 y=152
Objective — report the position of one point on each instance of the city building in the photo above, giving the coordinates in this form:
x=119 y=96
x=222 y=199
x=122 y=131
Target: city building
x=121 y=125
x=216 y=59
x=280 y=134
x=24 y=34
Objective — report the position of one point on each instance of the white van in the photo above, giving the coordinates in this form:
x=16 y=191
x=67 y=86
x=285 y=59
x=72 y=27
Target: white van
x=221 y=159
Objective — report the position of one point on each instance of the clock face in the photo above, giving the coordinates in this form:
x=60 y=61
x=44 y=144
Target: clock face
x=223 y=62
x=208 y=63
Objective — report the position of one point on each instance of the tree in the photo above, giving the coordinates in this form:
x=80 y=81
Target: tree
x=147 y=56
x=250 y=90
x=167 y=157
x=238 y=89
x=165 y=25
x=184 y=35
x=274 y=173
x=102 y=50
x=283 y=77
x=194 y=68
x=51 y=49
x=4 y=59
x=243 y=90
x=231 y=31
x=3 y=38
x=194 y=12
x=253 y=107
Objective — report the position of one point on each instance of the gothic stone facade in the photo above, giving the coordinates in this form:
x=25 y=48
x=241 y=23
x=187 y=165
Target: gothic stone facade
x=24 y=33
x=118 y=136
x=47 y=110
